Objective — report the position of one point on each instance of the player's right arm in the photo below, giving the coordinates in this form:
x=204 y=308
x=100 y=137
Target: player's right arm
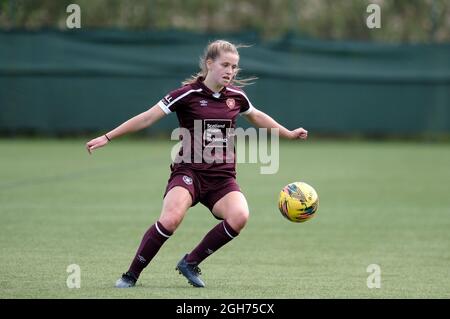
x=139 y=122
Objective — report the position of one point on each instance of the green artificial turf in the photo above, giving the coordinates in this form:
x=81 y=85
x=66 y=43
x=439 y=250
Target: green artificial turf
x=384 y=203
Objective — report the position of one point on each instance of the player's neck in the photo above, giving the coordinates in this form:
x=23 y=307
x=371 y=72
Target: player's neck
x=212 y=85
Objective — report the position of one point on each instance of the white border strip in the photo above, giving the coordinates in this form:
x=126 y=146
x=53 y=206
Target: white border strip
x=223 y=223
x=159 y=231
x=166 y=108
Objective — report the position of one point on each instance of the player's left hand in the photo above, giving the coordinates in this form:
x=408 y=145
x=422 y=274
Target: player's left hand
x=299 y=133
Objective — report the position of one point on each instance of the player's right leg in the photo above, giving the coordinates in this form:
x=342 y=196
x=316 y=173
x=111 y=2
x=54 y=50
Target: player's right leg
x=175 y=205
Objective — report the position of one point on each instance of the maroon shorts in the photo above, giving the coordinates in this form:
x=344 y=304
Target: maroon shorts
x=203 y=187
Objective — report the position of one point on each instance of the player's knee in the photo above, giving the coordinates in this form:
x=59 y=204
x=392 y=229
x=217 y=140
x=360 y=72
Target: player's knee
x=171 y=222
x=238 y=219
x=171 y=217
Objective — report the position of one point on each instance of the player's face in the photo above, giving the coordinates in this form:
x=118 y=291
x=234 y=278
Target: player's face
x=223 y=69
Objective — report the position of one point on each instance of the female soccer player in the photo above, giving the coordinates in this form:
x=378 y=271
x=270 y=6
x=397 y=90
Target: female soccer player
x=207 y=106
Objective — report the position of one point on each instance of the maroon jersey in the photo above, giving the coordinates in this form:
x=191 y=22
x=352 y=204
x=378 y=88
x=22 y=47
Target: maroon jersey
x=207 y=120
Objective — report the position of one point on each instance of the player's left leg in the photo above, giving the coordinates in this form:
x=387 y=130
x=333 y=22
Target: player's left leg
x=233 y=209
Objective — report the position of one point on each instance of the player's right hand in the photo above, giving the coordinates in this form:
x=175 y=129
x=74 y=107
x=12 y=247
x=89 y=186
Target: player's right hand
x=96 y=143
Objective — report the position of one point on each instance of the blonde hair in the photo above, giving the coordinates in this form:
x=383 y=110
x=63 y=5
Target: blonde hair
x=213 y=51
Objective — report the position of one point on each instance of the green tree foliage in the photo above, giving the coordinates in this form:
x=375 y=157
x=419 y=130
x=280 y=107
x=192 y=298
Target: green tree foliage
x=402 y=20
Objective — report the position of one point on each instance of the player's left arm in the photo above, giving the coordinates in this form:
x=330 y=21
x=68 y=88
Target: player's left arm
x=261 y=119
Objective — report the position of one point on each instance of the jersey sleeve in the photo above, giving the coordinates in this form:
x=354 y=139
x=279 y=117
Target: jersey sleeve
x=246 y=105
x=173 y=99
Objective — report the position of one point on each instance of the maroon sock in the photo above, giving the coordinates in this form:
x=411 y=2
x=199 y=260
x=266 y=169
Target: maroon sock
x=216 y=238
x=152 y=241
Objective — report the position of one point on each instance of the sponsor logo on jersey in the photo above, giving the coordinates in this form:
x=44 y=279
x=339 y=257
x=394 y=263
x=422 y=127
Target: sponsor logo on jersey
x=216 y=132
x=203 y=103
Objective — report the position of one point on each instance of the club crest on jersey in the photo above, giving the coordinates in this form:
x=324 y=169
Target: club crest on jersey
x=203 y=103
x=187 y=180
x=231 y=103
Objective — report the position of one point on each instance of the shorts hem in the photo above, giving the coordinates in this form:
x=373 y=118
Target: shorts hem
x=222 y=195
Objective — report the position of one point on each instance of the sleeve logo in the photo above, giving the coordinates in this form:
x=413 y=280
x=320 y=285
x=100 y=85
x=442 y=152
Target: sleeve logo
x=167 y=99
